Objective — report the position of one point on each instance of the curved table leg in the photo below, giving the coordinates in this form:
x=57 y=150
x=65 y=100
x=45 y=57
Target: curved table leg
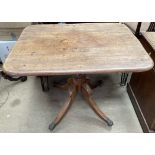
x=65 y=108
x=86 y=91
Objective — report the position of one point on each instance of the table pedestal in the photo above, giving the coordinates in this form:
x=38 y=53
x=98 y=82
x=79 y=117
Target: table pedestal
x=75 y=85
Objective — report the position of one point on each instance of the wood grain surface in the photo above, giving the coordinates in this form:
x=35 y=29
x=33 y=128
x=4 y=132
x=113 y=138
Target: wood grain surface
x=77 y=49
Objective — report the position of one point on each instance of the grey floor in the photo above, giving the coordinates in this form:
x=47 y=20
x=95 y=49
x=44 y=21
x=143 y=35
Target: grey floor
x=25 y=108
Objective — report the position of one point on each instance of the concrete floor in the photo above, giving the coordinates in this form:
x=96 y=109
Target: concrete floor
x=25 y=108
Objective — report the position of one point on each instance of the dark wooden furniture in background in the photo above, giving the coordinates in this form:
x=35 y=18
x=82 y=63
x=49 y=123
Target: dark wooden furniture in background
x=141 y=88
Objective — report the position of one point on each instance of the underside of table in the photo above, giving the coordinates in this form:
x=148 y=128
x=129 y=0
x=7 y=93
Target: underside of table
x=74 y=85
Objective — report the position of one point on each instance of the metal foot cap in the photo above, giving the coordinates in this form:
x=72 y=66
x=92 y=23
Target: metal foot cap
x=52 y=126
x=109 y=122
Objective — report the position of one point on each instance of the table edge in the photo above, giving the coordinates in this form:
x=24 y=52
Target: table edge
x=50 y=73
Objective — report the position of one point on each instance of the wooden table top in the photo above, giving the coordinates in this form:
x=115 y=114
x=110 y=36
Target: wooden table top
x=77 y=49
x=150 y=37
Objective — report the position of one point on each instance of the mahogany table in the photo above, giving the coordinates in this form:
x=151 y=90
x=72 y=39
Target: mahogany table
x=77 y=49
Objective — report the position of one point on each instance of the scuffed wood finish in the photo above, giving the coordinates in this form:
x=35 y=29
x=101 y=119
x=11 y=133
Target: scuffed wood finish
x=77 y=49
x=150 y=37
x=86 y=91
x=65 y=108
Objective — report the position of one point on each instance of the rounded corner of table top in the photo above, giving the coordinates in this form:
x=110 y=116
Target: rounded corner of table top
x=8 y=71
x=28 y=27
x=150 y=66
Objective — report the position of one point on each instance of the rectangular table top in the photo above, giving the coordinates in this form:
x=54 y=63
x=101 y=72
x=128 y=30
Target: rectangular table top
x=77 y=49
